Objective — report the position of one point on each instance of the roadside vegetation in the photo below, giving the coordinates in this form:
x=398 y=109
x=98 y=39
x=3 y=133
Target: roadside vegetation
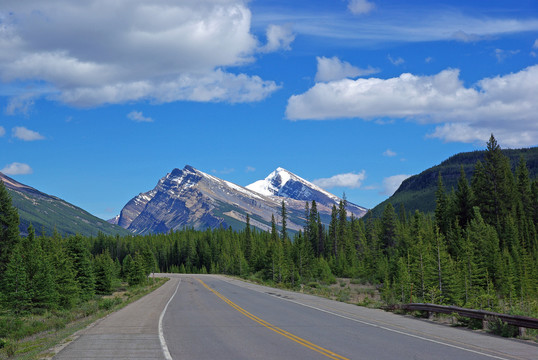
x=478 y=250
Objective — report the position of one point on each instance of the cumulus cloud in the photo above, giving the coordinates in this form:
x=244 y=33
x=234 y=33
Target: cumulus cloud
x=137 y=116
x=348 y=180
x=2 y=131
x=90 y=56
x=504 y=105
x=17 y=169
x=389 y=153
x=25 y=134
x=278 y=38
x=392 y=183
x=335 y=69
x=358 y=7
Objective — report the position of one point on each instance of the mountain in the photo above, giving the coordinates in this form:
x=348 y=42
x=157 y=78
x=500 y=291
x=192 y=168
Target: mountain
x=192 y=198
x=47 y=212
x=283 y=183
x=418 y=192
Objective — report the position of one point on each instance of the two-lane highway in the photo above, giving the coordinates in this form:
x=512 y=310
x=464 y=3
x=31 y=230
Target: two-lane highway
x=214 y=317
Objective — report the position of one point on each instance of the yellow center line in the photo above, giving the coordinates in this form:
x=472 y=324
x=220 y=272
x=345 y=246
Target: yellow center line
x=278 y=330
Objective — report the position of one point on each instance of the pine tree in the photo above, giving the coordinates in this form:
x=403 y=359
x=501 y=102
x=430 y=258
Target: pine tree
x=313 y=231
x=16 y=290
x=442 y=207
x=78 y=248
x=333 y=228
x=9 y=227
x=104 y=273
x=284 y=217
x=463 y=201
x=388 y=228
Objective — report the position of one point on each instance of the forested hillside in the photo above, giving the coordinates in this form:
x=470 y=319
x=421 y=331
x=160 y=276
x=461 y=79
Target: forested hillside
x=479 y=249
x=418 y=191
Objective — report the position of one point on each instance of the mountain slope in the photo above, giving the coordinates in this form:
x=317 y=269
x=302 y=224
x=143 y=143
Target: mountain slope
x=418 y=191
x=46 y=212
x=191 y=198
x=284 y=183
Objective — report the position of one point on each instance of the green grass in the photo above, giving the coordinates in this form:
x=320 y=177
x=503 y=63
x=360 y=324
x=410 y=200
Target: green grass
x=27 y=337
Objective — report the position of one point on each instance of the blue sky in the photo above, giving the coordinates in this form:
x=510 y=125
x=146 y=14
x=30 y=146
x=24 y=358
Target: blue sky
x=100 y=99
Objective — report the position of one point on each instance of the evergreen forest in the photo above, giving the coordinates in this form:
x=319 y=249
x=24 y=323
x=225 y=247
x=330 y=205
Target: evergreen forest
x=478 y=249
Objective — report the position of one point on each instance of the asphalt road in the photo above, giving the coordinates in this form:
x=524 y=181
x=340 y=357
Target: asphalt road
x=213 y=317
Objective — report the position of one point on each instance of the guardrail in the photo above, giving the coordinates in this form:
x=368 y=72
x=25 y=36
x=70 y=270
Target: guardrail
x=522 y=322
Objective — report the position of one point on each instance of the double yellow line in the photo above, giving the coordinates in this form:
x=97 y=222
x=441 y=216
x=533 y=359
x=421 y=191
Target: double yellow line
x=278 y=330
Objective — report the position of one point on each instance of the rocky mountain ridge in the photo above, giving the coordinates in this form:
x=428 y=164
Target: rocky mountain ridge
x=192 y=198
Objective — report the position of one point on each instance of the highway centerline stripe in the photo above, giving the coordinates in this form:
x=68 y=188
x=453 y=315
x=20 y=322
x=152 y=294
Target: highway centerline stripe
x=274 y=328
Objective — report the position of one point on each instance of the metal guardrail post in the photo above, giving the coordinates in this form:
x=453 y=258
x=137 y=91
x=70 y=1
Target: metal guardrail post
x=522 y=322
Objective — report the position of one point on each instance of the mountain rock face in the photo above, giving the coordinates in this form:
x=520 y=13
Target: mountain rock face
x=191 y=198
x=47 y=212
x=283 y=183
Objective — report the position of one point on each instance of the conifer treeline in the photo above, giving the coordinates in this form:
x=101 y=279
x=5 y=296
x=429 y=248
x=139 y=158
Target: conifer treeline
x=479 y=249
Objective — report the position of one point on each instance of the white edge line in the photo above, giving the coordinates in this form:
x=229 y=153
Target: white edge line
x=383 y=327
x=389 y=329
x=164 y=347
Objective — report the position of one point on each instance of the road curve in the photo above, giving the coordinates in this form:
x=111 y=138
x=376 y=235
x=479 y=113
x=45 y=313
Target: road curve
x=214 y=317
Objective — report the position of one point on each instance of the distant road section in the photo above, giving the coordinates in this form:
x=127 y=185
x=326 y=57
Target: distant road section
x=214 y=317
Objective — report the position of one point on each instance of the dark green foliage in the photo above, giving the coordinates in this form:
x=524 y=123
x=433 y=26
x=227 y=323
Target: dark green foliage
x=9 y=228
x=418 y=191
x=16 y=292
x=456 y=255
x=104 y=270
x=78 y=248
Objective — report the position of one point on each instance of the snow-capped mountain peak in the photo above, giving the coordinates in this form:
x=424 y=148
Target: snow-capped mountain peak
x=283 y=183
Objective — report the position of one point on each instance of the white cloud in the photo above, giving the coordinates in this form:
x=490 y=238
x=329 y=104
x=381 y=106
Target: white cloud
x=278 y=37
x=503 y=105
x=250 y=169
x=465 y=37
x=17 y=169
x=389 y=153
x=25 y=134
x=501 y=55
x=335 y=69
x=348 y=180
x=429 y=23
x=358 y=7
x=395 y=61
x=20 y=104
x=392 y=183
x=535 y=45
x=90 y=56
x=2 y=131
x=428 y=60
x=138 y=117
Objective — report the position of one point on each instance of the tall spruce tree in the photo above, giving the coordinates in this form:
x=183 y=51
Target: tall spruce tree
x=284 y=217
x=442 y=218
x=9 y=227
x=464 y=200
x=16 y=293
